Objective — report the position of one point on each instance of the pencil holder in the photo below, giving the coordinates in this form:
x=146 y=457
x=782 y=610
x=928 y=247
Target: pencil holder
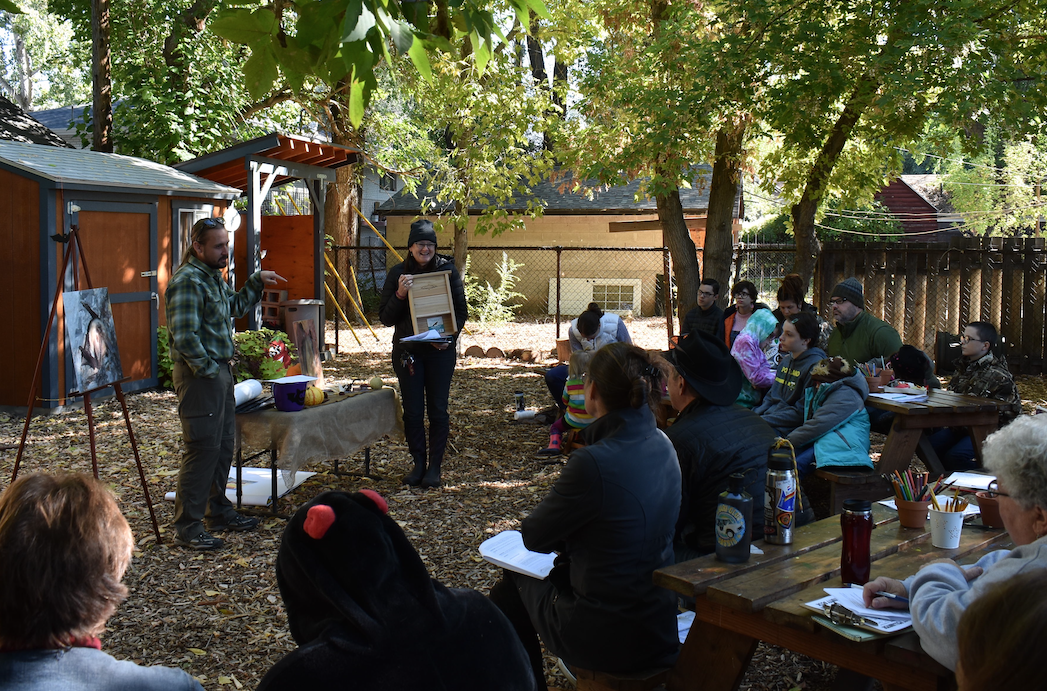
x=990 y=509
x=912 y=514
x=945 y=528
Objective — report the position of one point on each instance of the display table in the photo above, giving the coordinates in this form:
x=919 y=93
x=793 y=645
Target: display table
x=335 y=429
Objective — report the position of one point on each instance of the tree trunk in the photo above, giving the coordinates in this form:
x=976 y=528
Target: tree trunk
x=803 y=212
x=23 y=73
x=340 y=221
x=719 y=225
x=461 y=239
x=681 y=249
x=101 y=73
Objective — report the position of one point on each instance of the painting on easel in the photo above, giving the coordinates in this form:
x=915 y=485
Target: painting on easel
x=92 y=338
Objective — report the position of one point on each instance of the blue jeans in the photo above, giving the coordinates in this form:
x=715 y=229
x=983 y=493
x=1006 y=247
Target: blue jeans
x=556 y=379
x=954 y=448
x=805 y=461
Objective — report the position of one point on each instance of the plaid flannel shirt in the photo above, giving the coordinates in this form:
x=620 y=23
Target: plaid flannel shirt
x=200 y=305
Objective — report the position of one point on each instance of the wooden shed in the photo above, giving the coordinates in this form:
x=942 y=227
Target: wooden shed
x=133 y=216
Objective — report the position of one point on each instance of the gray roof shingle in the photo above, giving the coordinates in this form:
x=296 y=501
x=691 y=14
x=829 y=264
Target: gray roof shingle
x=83 y=167
x=620 y=199
x=18 y=126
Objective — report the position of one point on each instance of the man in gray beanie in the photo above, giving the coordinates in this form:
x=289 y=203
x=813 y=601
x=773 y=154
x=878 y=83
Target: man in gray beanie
x=859 y=336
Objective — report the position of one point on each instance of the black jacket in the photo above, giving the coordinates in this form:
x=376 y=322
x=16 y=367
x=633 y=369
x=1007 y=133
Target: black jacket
x=611 y=515
x=712 y=442
x=397 y=313
x=710 y=321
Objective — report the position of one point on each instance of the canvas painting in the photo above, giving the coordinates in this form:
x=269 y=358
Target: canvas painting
x=91 y=335
x=308 y=343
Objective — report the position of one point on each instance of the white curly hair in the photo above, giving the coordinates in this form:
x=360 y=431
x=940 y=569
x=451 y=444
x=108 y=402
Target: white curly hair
x=1017 y=455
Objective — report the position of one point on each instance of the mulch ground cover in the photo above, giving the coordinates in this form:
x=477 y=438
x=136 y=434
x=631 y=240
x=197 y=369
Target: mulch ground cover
x=220 y=616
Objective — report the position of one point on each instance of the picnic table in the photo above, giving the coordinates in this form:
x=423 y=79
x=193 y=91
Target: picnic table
x=910 y=430
x=739 y=605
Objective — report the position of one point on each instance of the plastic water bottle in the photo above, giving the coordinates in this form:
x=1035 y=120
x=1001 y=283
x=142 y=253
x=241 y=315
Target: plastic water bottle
x=734 y=515
x=857 y=523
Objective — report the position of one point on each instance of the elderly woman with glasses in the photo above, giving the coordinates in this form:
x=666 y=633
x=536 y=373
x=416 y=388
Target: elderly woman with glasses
x=941 y=592
x=423 y=369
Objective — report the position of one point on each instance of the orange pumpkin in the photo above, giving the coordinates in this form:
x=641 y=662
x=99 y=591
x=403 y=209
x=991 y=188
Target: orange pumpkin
x=313 y=396
x=294 y=369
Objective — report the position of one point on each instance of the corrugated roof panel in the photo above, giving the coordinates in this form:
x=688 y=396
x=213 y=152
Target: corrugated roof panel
x=84 y=167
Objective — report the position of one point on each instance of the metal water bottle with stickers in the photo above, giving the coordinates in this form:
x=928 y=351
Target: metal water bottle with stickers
x=780 y=501
x=734 y=516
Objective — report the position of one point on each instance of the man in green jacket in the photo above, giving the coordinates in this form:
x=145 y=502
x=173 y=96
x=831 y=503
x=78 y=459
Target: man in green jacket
x=859 y=336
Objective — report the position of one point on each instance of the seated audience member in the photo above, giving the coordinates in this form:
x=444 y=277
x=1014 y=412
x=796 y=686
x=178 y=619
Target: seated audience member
x=748 y=351
x=782 y=407
x=982 y=374
x=858 y=336
x=942 y=591
x=64 y=548
x=835 y=429
x=707 y=316
x=1001 y=635
x=591 y=330
x=791 y=302
x=610 y=515
x=366 y=614
x=735 y=316
x=575 y=416
x=713 y=438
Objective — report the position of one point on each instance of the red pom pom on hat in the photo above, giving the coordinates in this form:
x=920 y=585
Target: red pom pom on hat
x=378 y=500
x=319 y=519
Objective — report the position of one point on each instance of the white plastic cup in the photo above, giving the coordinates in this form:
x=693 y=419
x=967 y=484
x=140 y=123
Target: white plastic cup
x=945 y=528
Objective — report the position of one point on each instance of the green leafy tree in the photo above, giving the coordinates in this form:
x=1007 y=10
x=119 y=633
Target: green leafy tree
x=40 y=59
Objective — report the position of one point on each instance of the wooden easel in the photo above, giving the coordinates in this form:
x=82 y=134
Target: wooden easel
x=72 y=244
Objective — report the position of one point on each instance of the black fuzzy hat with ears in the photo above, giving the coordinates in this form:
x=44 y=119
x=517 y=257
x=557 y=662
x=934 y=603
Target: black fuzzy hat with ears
x=366 y=614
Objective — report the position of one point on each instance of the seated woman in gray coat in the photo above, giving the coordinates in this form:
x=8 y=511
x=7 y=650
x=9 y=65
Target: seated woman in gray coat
x=835 y=429
x=610 y=516
x=782 y=407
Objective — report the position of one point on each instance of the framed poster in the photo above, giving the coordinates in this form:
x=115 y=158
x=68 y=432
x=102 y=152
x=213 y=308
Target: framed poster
x=91 y=335
x=431 y=304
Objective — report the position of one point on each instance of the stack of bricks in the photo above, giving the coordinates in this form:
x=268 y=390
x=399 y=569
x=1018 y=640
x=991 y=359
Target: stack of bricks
x=272 y=313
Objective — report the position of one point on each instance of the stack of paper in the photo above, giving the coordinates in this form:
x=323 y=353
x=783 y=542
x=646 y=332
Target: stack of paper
x=977 y=481
x=879 y=620
x=506 y=549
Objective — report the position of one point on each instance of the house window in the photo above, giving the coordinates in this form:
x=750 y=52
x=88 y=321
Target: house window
x=613 y=297
x=387 y=182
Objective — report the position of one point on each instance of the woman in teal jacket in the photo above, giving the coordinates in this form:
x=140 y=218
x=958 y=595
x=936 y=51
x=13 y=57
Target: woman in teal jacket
x=835 y=431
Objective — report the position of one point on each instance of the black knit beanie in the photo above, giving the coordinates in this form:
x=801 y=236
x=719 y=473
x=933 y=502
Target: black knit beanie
x=421 y=231
x=851 y=291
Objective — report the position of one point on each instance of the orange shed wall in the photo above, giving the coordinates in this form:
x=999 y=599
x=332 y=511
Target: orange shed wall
x=20 y=281
x=163 y=253
x=288 y=244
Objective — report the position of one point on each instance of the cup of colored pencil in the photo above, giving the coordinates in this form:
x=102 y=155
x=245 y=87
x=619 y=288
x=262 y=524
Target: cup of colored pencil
x=911 y=497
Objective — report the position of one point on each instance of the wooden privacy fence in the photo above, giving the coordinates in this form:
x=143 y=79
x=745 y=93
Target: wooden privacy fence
x=925 y=288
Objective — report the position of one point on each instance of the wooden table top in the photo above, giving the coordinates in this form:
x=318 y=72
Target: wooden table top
x=942 y=401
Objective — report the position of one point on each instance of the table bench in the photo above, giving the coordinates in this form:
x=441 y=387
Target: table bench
x=739 y=605
x=910 y=435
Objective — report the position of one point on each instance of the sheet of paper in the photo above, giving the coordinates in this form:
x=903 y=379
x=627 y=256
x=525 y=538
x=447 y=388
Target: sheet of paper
x=971 y=510
x=884 y=620
x=506 y=549
x=432 y=335
x=979 y=481
x=900 y=397
x=683 y=624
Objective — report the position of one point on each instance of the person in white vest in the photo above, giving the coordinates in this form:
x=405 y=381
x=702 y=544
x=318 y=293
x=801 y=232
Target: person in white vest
x=591 y=330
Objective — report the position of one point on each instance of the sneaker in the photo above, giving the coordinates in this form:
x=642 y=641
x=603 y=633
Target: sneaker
x=238 y=522
x=201 y=543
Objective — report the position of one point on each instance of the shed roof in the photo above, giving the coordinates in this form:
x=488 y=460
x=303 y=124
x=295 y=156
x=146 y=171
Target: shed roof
x=556 y=199
x=82 y=167
x=228 y=166
x=929 y=187
x=17 y=125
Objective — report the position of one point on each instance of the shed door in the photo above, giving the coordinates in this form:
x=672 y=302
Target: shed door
x=119 y=242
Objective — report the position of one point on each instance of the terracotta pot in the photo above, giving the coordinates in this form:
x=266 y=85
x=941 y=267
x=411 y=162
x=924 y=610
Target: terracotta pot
x=990 y=507
x=912 y=514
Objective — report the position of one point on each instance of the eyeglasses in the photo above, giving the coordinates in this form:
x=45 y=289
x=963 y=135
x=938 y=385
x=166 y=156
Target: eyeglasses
x=425 y=245
x=743 y=295
x=837 y=301
x=994 y=490
x=967 y=339
x=707 y=293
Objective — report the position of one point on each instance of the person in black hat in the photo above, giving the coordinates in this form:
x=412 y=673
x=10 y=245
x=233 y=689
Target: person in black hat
x=859 y=336
x=714 y=438
x=366 y=614
x=423 y=369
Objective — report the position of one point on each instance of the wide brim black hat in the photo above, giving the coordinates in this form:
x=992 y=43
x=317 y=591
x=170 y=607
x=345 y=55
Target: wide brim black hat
x=708 y=367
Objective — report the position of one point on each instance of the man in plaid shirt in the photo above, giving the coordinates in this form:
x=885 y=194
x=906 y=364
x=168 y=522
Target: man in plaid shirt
x=200 y=305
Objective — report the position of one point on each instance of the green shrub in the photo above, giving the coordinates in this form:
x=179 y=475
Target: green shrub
x=164 y=364
x=490 y=305
x=252 y=358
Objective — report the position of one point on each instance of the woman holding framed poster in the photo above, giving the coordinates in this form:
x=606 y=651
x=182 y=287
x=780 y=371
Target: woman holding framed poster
x=423 y=369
